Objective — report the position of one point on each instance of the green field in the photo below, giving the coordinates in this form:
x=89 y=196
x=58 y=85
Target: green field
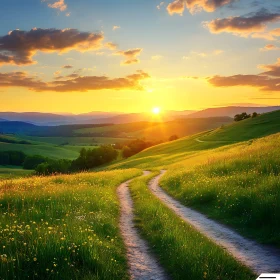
x=65 y=227
x=8 y=172
x=234 y=180
x=182 y=250
x=236 y=184
x=159 y=131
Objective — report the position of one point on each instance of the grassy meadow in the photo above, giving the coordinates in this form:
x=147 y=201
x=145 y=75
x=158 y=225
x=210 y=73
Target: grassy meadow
x=236 y=184
x=62 y=227
x=9 y=172
x=181 y=249
x=66 y=226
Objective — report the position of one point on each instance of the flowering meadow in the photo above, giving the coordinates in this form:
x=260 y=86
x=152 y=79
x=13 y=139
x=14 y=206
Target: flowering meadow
x=238 y=185
x=62 y=227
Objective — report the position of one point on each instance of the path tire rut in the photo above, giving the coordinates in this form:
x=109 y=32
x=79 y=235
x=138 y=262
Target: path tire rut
x=142 y=264
x=260 y=258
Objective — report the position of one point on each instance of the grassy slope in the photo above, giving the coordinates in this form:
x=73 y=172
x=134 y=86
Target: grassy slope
x=159 y=131
x=237 y=184
x=261 y=126
x=79 y=141
x=63 y=227
x=182 y=250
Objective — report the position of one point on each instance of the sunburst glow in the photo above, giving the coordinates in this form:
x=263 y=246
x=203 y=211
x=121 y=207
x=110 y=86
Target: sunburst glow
x=156 y=110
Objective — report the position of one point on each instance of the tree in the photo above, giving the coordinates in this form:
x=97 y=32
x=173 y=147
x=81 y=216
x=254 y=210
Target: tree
x=241 y=117
x=126 y=152
x=173 y=137
x=254 y=115
x=31 y=162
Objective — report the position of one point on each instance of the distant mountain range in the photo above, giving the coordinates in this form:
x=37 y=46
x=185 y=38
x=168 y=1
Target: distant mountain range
x=96 y=117
x=231 y=111
x=49 y=119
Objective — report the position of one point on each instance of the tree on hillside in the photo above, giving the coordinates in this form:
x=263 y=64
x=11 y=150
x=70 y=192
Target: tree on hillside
x=241 y=117
x=173 y=137
x=255 y=114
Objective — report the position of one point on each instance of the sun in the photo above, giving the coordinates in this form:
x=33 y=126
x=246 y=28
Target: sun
x=156 y=110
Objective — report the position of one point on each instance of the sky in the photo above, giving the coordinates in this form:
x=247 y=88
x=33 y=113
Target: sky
x=131 y=56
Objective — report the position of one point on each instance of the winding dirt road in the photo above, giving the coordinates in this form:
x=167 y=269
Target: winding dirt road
x=260 y=258
x=142 y=264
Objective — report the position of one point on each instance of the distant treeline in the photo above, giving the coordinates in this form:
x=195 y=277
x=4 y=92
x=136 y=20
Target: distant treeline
x=88 y=158
x=136 y=146
x=4 y=139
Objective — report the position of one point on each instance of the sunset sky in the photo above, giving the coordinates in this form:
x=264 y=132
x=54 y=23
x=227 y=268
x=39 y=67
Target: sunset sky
x=131 y=56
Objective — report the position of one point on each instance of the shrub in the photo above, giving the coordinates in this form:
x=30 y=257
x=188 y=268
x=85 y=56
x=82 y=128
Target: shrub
x=31 y=162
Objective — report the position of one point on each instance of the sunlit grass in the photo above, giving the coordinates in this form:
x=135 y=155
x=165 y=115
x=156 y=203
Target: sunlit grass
x=237 y=185
x=63 y=227
x=182 y=250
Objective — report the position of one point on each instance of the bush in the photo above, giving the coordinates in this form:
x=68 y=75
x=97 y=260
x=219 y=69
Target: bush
x=31 y=162
x=57 y=166
x=173 y=137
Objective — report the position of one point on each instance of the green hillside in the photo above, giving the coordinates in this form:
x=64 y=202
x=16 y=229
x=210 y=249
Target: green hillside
x=157 y=130
x=260 y=126
x=225 y=177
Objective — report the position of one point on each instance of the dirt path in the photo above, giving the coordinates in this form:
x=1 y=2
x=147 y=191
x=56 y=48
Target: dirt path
x=260 y=258
x=142 y=265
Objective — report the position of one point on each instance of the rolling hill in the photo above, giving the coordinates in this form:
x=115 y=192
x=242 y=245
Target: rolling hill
x=231 y=111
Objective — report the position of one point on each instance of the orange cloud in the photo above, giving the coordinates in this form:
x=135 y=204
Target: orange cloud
x=115 y=27
x=18 y=47
x=266 y=81
x=73 y=82
x=130 y=55
x=269 y=47
x=178 y=6
x=243 y=25
x=67 y=67
x=111 y=46
x=60 y=5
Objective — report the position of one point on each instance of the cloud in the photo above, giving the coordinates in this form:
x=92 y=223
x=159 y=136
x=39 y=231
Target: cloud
x=178 y=6
x=130 y=55
x=266 y=81
x=67 y=66
x=115 y=27
x=203 y=54
x=272 y=69
x=111 y=46
x=269 y=47
x=60 y=5
x=73 y=82
x=160 y=5
x=18 y=47
x=243 y=25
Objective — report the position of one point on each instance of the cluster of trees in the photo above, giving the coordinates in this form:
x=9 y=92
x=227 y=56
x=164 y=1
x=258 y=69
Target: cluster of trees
x=12 y=158
x=135 y=146
x=88 y=158
x=244 y=116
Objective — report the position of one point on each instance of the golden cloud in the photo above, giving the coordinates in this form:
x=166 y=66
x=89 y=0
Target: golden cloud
x=18 y=47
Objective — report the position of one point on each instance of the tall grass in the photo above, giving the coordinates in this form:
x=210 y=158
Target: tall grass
x=239 y=186
x=63 y=227
x=183 y=251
